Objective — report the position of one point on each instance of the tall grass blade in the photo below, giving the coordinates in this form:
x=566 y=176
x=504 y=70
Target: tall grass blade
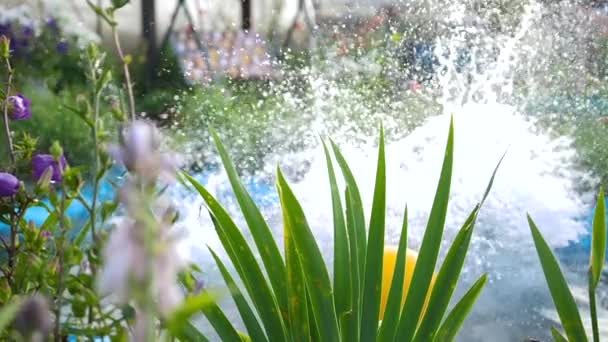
x=355 y=275
x=225 y=330
x=246 y=265
x=296 y=287
x=557 y=336
x=342 y=274
x=374 y=253
x=251 y=322
x=388 y=328
x=189 y=333
x=264 y=240
x=313 y=265
x=429 y=249
x=447 y=280
x=562 y=297
x=450 y=327
x=358 y=214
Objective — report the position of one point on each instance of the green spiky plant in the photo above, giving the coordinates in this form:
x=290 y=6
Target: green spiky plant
x=563 y=299
x=293 y=297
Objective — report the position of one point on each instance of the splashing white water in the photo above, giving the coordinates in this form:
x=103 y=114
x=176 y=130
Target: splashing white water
x=537 y=177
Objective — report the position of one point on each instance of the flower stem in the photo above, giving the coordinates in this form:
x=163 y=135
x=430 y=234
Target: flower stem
x=125 y=66
x=93 y=209
x=60 y=252
x=7 y=130
x=594 y=325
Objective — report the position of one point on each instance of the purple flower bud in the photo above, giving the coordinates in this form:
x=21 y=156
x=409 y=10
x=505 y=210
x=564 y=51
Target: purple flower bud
x=5 y=30
x=46 y=234
x=20 y=107
x=9 y=184
x=62 y=47
x=52 y=24
x=41 y=162
x=28 y=31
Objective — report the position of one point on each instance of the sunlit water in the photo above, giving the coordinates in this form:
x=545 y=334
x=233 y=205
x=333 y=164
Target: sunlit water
x=537 y=177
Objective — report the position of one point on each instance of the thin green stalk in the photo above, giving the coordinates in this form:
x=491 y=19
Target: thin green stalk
x=594 y=324
x=93 y=208
x=125 y=66
x=60 y=251
x=7 y=130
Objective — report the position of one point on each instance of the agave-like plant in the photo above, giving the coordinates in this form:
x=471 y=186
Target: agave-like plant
x=563 y=299
x=293 y=297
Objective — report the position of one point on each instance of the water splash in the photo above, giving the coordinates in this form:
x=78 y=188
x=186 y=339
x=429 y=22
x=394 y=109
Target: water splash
x=537 y=176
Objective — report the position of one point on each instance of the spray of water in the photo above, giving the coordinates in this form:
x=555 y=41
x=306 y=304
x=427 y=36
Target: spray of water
x=537 y=175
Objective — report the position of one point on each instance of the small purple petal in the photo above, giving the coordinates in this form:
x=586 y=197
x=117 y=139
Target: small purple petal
x=41 y=162
x=28 y=31
x=9 y=184
x=20 y=107
x=63 y=47
x=5 y=30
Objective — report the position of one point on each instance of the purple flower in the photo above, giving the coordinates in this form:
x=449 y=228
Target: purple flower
x=9 y=184
x=41 y=162
x=20 y=107
x=63 y=47
x=28 y=31
x=52 y=24
x=5 y=30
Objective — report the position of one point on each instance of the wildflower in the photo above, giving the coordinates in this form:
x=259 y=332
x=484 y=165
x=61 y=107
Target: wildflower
x=123 y=271
x=28 y=31
x=62 y=47
x=34 y=317
x=20 y=107
x=9 y=184
x=140 y=152
x=41 y=162
x=52 y=24
x=5 y=30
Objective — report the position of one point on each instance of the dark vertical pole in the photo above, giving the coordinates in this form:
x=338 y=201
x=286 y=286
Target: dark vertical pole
x=246 y=16
x=148 y=17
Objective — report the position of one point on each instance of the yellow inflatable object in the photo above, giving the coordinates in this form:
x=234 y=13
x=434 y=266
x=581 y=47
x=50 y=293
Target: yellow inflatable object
x=388 y=269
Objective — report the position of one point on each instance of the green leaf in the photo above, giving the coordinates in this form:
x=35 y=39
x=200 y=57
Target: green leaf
x=356 y=209
x=557 y=336
x=8 y=312
x=225 y=330
x=598 y=241
x=189 y=333
x=264 y=240
x=245 y=264
x=119 y=3
x=296 y=288
x=355 y=262
x=388 y=329
x=342 y=280
x=429 y=250
x=375 y=251
x=251 y=323
x=447 y=279
x=191 y=306
x=456 y=317
x=313 y=265
x=562 y=297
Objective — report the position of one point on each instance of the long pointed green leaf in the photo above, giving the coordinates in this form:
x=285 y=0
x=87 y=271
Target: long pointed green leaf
x=429 y=250
x=225 y=330
x=562 y=297
x=447 y=279
x=557 y=336
x=189 y=333
x=598 y=240
x=246 y=265
x=313 y=265
x=374 y=253
x=251 y=323
x=264 y=240
x=296 y=287
x=342 y=280
x=358 y=214
x=355 y=276
x=388 y=329
x=456 y=317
